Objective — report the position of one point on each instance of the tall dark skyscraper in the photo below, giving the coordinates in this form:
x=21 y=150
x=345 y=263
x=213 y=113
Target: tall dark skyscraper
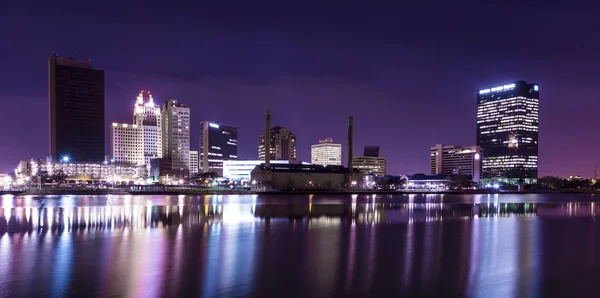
x=371 y=151
x=76 y=93
x=218 y=142
x=507 y=132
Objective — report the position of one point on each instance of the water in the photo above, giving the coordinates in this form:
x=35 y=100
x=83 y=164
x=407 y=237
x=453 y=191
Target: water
x=300 y=246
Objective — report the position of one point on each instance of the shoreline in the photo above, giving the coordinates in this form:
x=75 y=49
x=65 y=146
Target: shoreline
x=46 y=192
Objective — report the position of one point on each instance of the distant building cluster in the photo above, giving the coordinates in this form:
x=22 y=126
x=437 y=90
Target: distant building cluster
x=155 y=145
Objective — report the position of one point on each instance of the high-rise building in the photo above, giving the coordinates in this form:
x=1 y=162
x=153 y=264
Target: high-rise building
x=218 y=142
x=175 y=124
x=507 y=131
x=283 y=144
x=371 y=151
x=76 y=94
x=456 y=160
x=370 y=164
x=146 y=114
x=193 y=162
x=126 y=143
x=326 y=153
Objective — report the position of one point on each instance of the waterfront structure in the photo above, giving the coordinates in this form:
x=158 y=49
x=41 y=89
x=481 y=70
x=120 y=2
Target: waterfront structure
x=96 y=172
x=126 y=143
x=371 y=151
x=147 y=115
x=304 y=177
x=218 y=143
x=456 y=160
x=193 y=162
x=370 y=164
x=239 y=170
x=282 y=144
x=76 y=96
x=326 y=153
x=175 y=127
x=507 y=132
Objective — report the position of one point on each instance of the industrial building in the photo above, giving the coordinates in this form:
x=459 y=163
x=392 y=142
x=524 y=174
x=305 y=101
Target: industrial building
x=269 y=176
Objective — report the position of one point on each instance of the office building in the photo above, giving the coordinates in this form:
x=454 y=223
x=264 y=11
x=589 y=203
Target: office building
x=218 y=142
x=456 y=160
x=282 y=146
x=76 y=95
x=326 y=153
x=371 y=151
x=147 y=115
x=193 y=162
x=175 y=124
x=370 y=164
x=126 y=144
x=507 y=132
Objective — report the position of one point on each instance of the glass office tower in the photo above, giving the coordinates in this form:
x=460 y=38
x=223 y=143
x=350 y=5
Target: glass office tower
x=507 y=132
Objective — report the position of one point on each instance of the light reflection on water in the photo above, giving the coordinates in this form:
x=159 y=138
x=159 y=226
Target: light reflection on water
x=131 y=248
x=59 y=219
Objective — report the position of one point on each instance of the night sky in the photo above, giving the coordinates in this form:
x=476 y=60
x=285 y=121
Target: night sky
x=409 y=74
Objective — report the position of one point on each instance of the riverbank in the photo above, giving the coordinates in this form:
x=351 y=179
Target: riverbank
x=221 y=191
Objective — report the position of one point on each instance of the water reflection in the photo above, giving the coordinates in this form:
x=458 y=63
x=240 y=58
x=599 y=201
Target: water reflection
x=300 y=250
x=74 y=219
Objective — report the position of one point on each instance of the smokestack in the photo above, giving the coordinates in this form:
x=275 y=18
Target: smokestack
x=267 y=140
x=350 y=142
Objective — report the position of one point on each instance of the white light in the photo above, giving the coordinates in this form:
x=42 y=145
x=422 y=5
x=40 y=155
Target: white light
x=499 y=88
x=476 y=155
x=536 y=87
x=511 y=86
x=65 y=158
x=496 y=185
x=488 y=185
x=484 y=91
x=214 y=125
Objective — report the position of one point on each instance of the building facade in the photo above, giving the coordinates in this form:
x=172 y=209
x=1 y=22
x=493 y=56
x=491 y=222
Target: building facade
x=326 y=153
x=126 y=144
x=175 y=124
x=239 y=170
x=147 y=115
x=507 y=132
x=218 y=143
x=89 y=171
x=193 y=162
x=371 y=151
x=76 y=95
x=370 y=164
x=283 y=144
x=456 y=160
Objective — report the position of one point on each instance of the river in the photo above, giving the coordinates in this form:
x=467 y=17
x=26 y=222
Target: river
x=538 y=245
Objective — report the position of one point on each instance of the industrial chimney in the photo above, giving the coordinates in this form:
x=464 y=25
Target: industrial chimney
x=350 y=143
x=267 y=140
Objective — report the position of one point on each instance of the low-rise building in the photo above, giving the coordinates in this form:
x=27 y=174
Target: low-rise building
x=370 y=164
x=239 y=170
x=305 y=177
x=95 y=172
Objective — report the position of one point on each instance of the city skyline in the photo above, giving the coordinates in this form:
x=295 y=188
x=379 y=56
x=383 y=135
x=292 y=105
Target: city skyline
x=238 y=92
